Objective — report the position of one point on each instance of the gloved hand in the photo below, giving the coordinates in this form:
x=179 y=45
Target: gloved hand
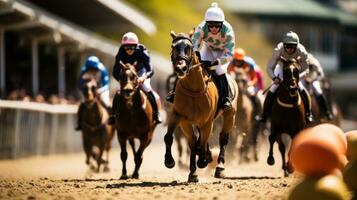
x=206 y=64
x=276 y=80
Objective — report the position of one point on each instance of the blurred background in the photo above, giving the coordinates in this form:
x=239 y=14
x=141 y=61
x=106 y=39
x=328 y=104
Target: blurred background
x=44 y=43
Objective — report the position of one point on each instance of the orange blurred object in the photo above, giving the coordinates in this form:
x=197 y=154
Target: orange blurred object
x=319 y=150
x=327 y=128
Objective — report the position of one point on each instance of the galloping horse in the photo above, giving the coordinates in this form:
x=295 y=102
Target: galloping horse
x=244 y=119
x=134 y=118
x=196 y=104
x=288 y=113
x=95 y=131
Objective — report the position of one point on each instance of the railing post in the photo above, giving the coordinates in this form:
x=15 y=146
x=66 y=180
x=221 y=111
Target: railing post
x=16 y=138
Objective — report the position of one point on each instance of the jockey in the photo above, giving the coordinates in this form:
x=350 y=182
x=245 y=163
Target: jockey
x=289 y=48
x=255 y=78
x=94 y=67
x=217 y=49
x=130 y=52
x=314 y=75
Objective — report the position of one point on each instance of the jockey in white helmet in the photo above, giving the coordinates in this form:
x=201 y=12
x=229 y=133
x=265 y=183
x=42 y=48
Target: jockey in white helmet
x=213 y=42
x=289 y=48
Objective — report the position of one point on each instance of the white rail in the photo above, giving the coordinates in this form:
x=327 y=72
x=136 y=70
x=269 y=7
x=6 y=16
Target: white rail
x=29 y=129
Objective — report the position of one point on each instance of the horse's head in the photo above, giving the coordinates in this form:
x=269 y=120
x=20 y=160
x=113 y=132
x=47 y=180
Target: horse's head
x=241 y=78
x=291 y=71
x=128 y=79
x=181 y=54
x=89 y=88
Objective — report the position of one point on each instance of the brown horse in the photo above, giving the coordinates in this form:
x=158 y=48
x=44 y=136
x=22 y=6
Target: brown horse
x=95 y=131
x=288 y=113
x=246 y=126
x=134 y=118
x=196 y=104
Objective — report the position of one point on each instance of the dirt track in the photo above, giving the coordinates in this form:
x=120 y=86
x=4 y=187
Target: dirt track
x=67 y=177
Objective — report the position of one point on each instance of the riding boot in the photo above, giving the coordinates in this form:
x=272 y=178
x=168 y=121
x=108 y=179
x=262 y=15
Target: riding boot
x=267 y=106
x=171 y=95
x=156 y=113
x=79 y=117
x=112 y=117
x=225 y=92
x=307 y=104
x=321 y=99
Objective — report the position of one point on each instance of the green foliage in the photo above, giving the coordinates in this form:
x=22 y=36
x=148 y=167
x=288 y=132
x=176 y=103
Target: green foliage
x=167 y=15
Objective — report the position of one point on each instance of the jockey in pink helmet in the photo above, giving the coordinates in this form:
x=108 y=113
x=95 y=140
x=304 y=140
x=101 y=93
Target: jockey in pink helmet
x=131 y=51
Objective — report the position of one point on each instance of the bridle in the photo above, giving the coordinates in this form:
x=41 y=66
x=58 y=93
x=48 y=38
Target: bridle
x=125 y=80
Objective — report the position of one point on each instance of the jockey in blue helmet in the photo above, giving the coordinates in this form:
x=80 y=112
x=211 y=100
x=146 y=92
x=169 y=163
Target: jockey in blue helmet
x=96 y=68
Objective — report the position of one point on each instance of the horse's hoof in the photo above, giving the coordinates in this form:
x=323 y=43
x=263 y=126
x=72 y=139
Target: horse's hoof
x=202 y=163
x=192 y=178
x=135 y=176
x=219 y=173
x=271 y=160
x=169 y=162
x=106 y=169
x=124 y=177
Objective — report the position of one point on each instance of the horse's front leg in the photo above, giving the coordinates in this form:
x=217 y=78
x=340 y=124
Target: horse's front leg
x=123 y=156
x=139 y=155
x=229 y=119
x=192 y=142
x=100 y=157
x=203 y=157
x=282 y=152
x=272 y=139
x=169 y=160
x=223 y=141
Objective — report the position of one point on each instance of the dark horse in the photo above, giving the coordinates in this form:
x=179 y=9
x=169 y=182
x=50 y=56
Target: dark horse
x=196 y=105
x=134 y=118
x=95 y=131
x=288 y=112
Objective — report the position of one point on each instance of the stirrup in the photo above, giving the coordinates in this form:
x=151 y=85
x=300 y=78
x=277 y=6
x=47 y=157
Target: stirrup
x=263 y=118
x=157 y=118
x=309 y=118
x=226 y=105
x=170 y=97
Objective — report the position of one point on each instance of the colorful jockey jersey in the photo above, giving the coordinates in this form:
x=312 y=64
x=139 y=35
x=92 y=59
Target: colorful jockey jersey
x=255 y=73
x=98 y=71
x=315 y=72
x=223 y=41
x=141 y=56
x=252 y=70
x=280 y=52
